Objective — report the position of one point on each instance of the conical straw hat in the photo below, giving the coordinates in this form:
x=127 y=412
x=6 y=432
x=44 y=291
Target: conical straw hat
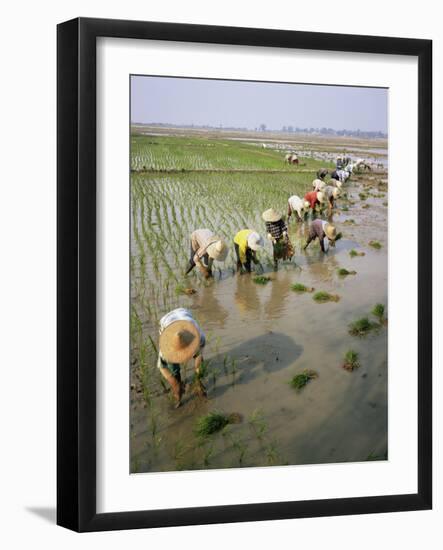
x=255 y=241
x=330 y=232
x=271 y=215
x=179 y=341
x=218 y=250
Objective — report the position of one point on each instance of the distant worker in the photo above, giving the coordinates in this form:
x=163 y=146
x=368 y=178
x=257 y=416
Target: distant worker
x=297 y=205
x=340 y=175
x=314 y=198
x=181 y=339
x=205 y=248
x=322 y=173
x=291 y=158
x=321 y=229
x=246 y=244
x=277 y=232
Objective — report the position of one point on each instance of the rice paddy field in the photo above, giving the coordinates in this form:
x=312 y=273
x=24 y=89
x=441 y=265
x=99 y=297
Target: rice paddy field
x=281 y=386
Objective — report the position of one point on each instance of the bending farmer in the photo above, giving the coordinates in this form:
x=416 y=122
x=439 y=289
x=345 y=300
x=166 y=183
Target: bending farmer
x=321 y=230
x=181 y=339
x=246 y=244
x=277 y=232
x=205 y=248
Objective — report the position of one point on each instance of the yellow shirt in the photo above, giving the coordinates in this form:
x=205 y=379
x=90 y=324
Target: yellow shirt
x=241 y=239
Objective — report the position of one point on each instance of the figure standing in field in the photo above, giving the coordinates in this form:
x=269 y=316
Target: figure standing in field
x=321 y=229
x=297 y=205
x=277 y=232
x=291 y=158
x=205 y=248
x=246 y=244
x=181 y=339
x=314 y=198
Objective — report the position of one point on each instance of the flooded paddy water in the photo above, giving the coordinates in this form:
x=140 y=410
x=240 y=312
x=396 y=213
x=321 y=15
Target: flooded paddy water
x=258 y=336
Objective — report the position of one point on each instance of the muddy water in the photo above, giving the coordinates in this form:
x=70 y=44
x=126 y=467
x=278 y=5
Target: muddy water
x=260 y=337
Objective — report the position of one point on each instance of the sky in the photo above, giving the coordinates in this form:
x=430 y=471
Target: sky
x=187 y=101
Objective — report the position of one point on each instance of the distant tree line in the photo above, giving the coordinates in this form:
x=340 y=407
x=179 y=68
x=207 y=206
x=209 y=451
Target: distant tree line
x=286 y=129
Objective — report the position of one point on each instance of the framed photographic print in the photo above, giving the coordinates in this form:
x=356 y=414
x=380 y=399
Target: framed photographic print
x=244 y=274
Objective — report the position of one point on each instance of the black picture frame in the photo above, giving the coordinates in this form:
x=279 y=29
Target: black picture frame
x=76 y=280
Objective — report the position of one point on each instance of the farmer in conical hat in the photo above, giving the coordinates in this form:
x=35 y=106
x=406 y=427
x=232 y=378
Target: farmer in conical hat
x=246 y=244
x=181 y=339
x=297 y=205
x=318 y=185
x=321 y=229
x=205 y=248
x=322 y=173
x=331 y=193
x=277 y=232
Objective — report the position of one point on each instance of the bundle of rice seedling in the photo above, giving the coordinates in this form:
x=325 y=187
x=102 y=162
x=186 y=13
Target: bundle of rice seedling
x=351 y=360
x=299 y=287
x=321 y=297
x=353 y=253
x=343 y=272
x=375 y=244
x=361 y=327
x=300 y=380
x=261 y=280
x=379 y=311
x=211 y=423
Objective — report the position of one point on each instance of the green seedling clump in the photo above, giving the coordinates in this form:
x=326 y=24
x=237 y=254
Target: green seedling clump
x=375 y=244
x=349 y=222
x=343 y=272
x=181 y=289
x=338 y=236
x=361 y=327
x=300 y=380
x=366 y=205
x=261 y=280
x=363 y=196
x=379 y=312
x=211 y=423
x=299 y=287
x=321 y=297
x=351 y=360
x=353 y=253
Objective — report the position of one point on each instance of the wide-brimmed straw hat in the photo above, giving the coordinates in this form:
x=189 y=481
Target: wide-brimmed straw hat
x=330 y=231
x=218 y=250
x=323 y=172
x=255 y=241
x=271 y=215
x=179 y=341
x=318 y=183
x=320 y=196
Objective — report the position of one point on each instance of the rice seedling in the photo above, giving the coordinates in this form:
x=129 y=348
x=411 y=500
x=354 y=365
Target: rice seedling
x=338 y=236
x=214 y=422
x=322 y=297
x=349 y=222
x=361 y=327
x=351 y=361
x=385 y=203
x=363 y=196
x=299 y=381
x=261 y=280
x=345 y=208
x=299 y=287
x=343 y=272
x=366 y=205
x=354 y=253
x=258 y=424
x=375 y=244
x=379 y=311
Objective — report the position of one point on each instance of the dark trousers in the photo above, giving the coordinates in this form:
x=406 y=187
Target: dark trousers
x=205 y=258
x=248 y=257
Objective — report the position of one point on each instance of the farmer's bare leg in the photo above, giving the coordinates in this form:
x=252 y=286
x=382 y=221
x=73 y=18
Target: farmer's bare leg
x=289 y=211
x=237 y=254
x=200 y=389
x=176 y=384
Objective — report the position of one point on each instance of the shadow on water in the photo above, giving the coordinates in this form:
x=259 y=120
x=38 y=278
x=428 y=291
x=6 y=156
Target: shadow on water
x=265 y=354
